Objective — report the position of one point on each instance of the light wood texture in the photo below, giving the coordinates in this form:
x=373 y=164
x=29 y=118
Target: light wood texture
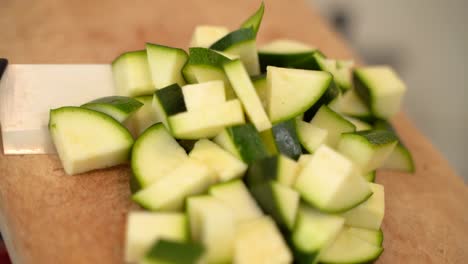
x=48 y=217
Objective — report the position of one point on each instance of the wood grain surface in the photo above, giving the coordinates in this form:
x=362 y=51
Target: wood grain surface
x=48 y=217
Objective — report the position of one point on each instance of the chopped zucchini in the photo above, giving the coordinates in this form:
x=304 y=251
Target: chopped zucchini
x=174 y=252
x=144 y=117
x=255 y=19
x=245 y=91
x=87 y=140
x=331 y=183
x=334 y=123
x=154 y=154
x=283 y=53
x=330 y=94
x=359 y=124
x=368 y=149
x=236 y=196
x=375 y=237
x=349 y=248
x=314 y=232
x=204 y=36
x=206 y=65
x=118 y=107
x=310 y=136
x=260 y=85
x=303 y=160
x=206 y=122
x=286 y=138
x=146 y=228
x=350 y=104
x=131 y=73
x=290 y=92
x=169 y=101
x=203 y=94
x=279 y=168
x=226 y=165
x=401 y=158
x=370 y=176
x=380 y=88
x=165 y=64
x=241 y=42
x=277 y=200
x=370 y=213
x=212 y=224
x=243 y=141
x=168 y=193
x=259 y=241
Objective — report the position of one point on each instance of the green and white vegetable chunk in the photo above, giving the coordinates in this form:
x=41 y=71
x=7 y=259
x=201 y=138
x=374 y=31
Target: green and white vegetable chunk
x=205 y=94
x=279 y=168
x=146 y=228
x=314 y=232
x=381 y=89
x=167 y=251
x=367 y=149
x=308 y=87
x=118 y=107
x=155 y=154
x=226 y=165
x=131 y=73
x=310 y=136
x=87 y=140
x=212 y=223
x=236 y=196
x=369 y=214
x=259 y=241
x=144 y=117
x=165 y=64
x=169 y=101
x=246 y=93
x=331 y=183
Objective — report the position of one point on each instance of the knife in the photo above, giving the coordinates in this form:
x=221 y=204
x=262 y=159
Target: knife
x=29 y=91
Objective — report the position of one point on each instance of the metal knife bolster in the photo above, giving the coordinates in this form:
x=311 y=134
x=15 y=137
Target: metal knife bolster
x=29 y=91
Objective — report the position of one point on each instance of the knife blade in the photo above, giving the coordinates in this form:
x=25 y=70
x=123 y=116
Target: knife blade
x=29 y=91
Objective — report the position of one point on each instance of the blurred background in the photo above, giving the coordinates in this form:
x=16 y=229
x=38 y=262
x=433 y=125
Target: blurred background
x=426 y=41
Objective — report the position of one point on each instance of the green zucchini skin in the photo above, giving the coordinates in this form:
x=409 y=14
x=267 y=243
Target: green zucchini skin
x=331 y=93
x=233 y=38
x=171 y=99
x=248 y=142
x=167 y=251
x=286 y=139
x=255 y=20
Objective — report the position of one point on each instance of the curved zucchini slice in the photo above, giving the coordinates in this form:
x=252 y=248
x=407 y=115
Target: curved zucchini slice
x=375 y=237
x=331 y=183
x=87 y=140
x=155 y=154
x=118 y=107
x=132 y=75
x=349 y=248
x=290 y=92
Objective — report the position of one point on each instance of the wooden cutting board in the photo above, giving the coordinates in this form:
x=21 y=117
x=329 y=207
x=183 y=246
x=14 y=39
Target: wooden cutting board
x=48 y=217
